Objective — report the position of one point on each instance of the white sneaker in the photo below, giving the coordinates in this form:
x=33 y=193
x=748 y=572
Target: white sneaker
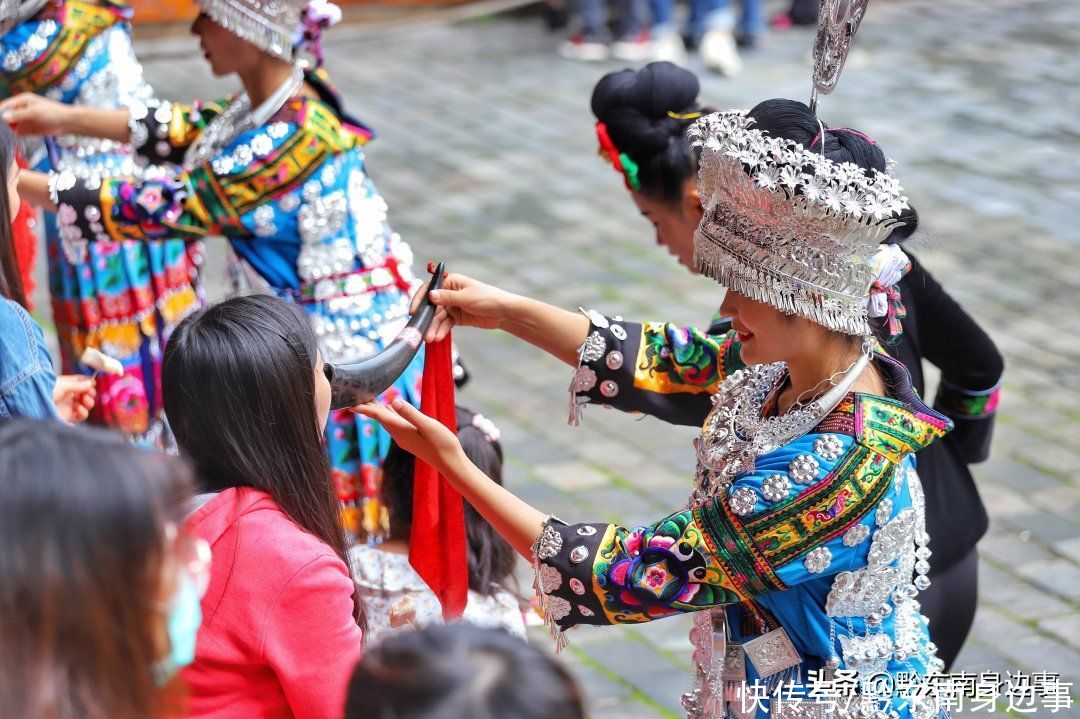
x=635 y=49
x=669 y=47
x=582 y=50
x=719 y=53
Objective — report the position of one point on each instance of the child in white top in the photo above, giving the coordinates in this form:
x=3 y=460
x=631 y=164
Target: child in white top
x=394 y=595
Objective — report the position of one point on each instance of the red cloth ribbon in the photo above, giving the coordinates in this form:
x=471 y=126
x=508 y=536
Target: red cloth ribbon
x=437 y=549
x=25 y=240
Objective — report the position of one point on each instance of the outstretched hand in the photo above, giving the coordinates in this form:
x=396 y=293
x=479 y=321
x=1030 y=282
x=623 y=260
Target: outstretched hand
x=416 y=433
x=465 y=302
x=32 y=114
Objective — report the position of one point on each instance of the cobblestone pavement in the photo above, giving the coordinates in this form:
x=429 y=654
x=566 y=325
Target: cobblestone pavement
x=487 y=158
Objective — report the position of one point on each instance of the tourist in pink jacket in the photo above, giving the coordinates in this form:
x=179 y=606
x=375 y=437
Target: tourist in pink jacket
x=247 y=397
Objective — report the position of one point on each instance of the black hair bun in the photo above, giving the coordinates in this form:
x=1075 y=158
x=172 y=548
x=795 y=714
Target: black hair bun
x=634 y=105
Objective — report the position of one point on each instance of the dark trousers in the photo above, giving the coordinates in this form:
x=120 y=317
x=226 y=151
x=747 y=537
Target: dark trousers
x=949 y=603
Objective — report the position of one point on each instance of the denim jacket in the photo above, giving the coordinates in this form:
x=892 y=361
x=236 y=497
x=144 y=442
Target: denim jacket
x=26 y=372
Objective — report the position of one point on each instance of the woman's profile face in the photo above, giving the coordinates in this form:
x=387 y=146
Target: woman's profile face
x=322 y=393
x=226 y=53
x=675 y=221
x=14 y=201
x=767 y=334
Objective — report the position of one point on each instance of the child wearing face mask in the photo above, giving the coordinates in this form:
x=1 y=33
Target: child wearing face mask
x=99 y=585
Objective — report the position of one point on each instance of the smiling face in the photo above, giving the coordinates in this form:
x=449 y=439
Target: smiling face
x=767 y=334
x=226 y=53
x=675 y=221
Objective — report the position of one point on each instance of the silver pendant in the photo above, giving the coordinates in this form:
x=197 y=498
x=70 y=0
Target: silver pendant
x=772 y=652
x=735 y=664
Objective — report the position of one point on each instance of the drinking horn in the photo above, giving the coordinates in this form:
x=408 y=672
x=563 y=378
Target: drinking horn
x=358 y=381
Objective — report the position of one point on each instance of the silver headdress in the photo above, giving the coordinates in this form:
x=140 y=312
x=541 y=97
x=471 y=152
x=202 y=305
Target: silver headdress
x=273 y=26
x=784 y=225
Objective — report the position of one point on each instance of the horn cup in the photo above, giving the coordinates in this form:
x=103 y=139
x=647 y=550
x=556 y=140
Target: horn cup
x=359 y=381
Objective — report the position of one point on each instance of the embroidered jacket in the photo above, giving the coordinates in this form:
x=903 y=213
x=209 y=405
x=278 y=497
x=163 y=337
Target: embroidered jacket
x=294 y=199
x=822 y=538
x=122 y=298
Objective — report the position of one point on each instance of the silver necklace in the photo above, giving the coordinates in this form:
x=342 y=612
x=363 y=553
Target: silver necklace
x=238 y=118
x=735 y=434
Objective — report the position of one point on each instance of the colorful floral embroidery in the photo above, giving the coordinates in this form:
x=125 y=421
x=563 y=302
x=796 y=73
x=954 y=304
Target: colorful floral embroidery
x=678 y=359
x=658 y=570
x=890 y=428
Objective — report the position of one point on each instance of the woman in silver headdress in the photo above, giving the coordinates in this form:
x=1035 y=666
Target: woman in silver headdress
x=804 y=546
x=279 y=170
x=124 y=298
x=643 y=114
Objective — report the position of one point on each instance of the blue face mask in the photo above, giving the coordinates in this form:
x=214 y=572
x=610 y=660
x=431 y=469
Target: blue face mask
x=185 y=616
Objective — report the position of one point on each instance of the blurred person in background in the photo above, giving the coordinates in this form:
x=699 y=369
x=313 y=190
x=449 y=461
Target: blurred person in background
x=396 y=596
x=121 y=298
x=99 y=584
x=592 y=42
x=461 y=672
x=28 y=385
x=278 y=169
x=712 y=28
x=247 y=396
x=644 y=115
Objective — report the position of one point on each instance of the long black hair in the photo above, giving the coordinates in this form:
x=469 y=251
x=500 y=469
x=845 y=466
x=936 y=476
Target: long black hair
x=457 y=671
x=239 y=390
x=647 y=113
x=795 y=121
x=83 y=548
x=491 y=558
x=11 y=285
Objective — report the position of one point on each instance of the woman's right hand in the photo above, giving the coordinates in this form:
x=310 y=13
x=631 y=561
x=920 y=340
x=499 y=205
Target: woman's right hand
x=31 y=114
x=416 y=433
x=465 y=302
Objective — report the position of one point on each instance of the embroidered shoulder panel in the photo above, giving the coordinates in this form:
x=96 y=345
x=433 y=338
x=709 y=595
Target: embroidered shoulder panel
x=79 y=24
x=890 y=428
x=284 y=166
x=824 y=511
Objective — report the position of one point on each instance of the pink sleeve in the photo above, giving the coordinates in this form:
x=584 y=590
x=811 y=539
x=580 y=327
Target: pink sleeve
x=311 y=640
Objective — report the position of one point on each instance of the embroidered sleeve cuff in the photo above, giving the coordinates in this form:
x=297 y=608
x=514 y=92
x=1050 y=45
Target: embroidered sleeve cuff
x=973 y=412
x=78 y=214
x=605 y=364
x=563 y=559
x=959 y=403
x=611 y=373
x=150 y=132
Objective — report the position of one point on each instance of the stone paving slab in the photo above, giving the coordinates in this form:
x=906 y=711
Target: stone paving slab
x=487 y=158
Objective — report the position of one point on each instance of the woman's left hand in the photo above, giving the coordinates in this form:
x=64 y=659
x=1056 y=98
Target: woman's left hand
x=74 y=396
x=416 y=433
